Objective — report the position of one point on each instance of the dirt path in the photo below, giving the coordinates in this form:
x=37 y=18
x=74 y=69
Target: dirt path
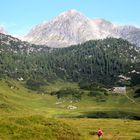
x=132 y=100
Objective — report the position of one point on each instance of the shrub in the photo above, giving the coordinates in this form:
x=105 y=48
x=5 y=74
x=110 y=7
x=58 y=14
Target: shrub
x=34 y=85
x=63 y=93
x=137 y=93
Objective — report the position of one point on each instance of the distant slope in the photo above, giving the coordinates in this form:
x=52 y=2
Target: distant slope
x=72 y=27
x=101 y=61
x=14 y=45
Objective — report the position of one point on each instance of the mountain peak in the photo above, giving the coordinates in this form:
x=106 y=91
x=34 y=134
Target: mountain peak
x=72 y=27
x=71 y=12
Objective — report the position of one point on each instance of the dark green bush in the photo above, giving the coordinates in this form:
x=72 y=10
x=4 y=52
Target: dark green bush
x=137 y=93
x=75 y=94
x=34 y=85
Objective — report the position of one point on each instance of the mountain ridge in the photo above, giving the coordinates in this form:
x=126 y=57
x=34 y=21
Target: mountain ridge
x=72 y=27
x=9 y=43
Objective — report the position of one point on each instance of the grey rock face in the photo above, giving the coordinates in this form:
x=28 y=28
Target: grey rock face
x=72 y=27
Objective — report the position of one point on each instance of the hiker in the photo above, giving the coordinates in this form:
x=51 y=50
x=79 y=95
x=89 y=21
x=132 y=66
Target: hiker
x=100 y=133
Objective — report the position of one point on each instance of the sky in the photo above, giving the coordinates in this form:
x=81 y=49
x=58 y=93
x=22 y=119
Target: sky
x=19 y=16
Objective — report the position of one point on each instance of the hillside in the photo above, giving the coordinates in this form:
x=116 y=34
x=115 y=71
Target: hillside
x=101 y=61
x=26 y=114
x=16 y=46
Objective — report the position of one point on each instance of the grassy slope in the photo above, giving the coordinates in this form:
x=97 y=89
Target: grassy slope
x=25 y=115
x=19 y=105
x=114 y=129
x=36 y=128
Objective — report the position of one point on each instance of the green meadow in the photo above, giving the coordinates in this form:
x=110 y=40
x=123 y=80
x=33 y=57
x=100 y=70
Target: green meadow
x=40 y=115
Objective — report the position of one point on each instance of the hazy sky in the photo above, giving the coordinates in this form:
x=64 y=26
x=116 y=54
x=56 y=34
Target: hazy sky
x=19 y=16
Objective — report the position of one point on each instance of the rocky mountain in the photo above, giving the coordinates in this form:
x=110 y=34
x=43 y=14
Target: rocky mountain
x=72 y=27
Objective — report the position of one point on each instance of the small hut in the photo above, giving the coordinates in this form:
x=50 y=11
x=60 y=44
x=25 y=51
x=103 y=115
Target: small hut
x=119 y=90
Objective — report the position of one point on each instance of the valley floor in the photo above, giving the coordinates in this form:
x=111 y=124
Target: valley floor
x=114 y=129
x=27 y=115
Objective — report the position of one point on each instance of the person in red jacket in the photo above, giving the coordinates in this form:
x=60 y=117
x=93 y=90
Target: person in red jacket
x=100 y=133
